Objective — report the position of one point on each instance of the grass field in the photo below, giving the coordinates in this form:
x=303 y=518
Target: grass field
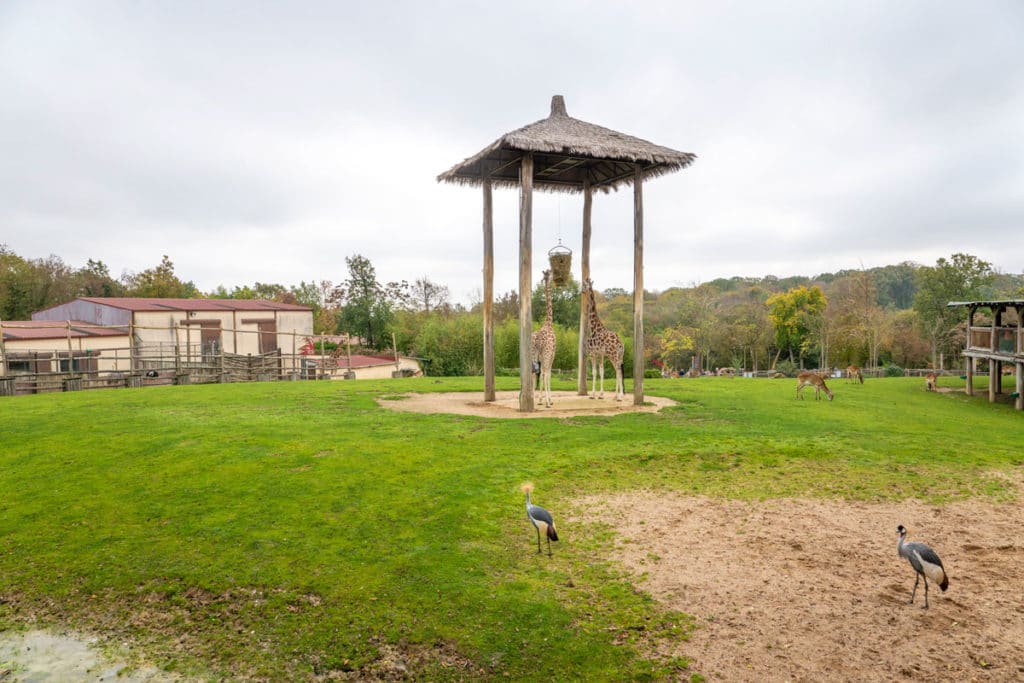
x=296 y=530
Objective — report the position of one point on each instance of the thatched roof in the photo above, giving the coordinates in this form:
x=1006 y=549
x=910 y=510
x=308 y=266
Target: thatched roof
x=566 y=152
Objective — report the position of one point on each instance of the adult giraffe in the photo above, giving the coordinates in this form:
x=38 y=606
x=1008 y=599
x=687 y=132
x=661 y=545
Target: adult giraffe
x=602 y=343
x=543 y=341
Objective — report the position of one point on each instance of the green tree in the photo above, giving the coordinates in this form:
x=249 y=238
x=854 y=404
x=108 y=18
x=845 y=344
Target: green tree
x=565 y=304
x=366 y=305
x=158 y=282
x=962 y=278
x=94 y=279
x=794 y=315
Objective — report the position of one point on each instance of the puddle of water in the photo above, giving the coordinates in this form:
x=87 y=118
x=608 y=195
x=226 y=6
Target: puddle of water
x=44 y=657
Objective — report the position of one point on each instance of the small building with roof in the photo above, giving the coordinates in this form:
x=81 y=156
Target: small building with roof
x=1000 y=342
x=45 y=346
x=205 y=326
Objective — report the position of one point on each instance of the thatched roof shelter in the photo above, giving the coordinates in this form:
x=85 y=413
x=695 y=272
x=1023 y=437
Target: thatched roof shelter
x=561 y=154
x=567 y=154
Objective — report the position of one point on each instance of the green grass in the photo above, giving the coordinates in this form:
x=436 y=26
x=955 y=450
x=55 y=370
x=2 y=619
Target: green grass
x=295 y=529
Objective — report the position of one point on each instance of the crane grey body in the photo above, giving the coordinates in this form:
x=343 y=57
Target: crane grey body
x=540 y=519
x=925 y=562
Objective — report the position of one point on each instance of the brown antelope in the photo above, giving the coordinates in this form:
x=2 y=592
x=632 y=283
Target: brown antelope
x=812 y=379
x=853 y=372
x=931 y=382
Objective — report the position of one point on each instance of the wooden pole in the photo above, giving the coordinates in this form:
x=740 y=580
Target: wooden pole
x=525 y=295
x=394 y=347
x=71 y=353
x=638 y=287
x=3 y=351
x=581 y=365
x=488 y=292
x=969 y=385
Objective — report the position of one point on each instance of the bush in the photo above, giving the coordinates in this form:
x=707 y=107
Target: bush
x=787 y=368
x=893 y=371
x=650 y=373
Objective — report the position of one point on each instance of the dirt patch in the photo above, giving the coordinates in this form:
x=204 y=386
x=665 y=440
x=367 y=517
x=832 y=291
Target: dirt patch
x=506 y=405
x=41 y=656
x=810 y=590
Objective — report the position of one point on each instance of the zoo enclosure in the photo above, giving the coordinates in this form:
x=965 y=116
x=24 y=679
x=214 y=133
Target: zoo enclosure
x=106 y=359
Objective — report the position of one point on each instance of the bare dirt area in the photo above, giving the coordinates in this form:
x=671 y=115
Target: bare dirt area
x=813 y=590
x=506 y=405
x=44 y=657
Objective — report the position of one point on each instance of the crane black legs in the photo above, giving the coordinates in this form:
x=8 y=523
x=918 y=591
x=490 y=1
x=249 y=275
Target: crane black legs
x=912 y=594
x=538 y=544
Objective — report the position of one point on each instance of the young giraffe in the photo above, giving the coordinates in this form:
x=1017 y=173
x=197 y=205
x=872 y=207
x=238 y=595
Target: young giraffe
x=544 y=344
x=602 y=343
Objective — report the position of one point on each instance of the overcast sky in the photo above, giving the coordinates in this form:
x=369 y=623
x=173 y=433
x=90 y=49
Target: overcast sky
x=268 y=141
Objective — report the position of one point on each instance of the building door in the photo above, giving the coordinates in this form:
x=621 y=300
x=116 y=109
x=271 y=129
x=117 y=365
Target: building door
x=268 y=336
x=209 y=333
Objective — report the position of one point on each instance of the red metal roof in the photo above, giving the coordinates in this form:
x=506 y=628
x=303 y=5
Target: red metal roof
x=154 y=304
x=56 y=329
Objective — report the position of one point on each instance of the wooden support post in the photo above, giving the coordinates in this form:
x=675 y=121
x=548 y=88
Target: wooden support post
x=132 y=352
x=969 y=386
x=993 y=380
x=394 y=347
x=638 y=287
x=581 y=365
x=71 y=353
x=1019 y=403
x=525 y=293
x=488 y=292
x=3 y=351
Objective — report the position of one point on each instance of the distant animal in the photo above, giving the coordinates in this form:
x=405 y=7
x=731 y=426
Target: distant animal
x=601 y=343
x=854 y=373
x=152 y=373
x=812 y=379
x=540 y=519
x=543 y=345
x=931 y=382
x=925 y=562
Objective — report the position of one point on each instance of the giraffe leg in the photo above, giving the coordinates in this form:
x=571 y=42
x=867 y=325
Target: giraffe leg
x=593 y=377
x=601 y=395
x=620 y=383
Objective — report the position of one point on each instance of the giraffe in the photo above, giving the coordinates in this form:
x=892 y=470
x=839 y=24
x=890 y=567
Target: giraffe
x=602 y=343
x=543 y=341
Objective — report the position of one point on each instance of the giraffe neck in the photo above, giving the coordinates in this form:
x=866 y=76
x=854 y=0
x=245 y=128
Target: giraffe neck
x=593 y=320
x=547 y=296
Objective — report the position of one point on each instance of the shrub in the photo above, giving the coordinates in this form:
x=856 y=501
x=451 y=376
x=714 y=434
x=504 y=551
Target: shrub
x=787 y=368
x=893 y=371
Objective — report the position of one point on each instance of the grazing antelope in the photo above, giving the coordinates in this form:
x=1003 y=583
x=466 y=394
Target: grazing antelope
x=853 y=372
x=812 y=379
x=931 y=382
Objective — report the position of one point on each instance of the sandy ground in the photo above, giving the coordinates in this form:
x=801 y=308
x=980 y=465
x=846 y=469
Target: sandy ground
x=44 y=657
x=812 y=590
x=506 y=405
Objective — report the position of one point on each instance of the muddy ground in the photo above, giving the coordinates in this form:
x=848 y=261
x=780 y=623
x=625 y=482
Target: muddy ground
x=813 y=590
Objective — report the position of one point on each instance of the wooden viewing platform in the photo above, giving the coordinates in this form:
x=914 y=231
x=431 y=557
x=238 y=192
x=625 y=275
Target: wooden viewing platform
x=1000 y=343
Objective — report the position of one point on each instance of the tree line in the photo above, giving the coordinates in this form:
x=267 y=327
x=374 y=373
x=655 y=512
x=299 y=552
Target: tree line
x=890 y=315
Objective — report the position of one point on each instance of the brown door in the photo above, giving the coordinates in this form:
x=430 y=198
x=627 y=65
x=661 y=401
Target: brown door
x=268 y=336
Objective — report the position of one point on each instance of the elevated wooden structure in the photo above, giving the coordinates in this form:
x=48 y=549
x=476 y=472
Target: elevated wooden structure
x=1001 y=343
x=561 y=154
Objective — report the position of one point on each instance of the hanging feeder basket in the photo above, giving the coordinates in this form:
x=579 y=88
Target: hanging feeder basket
x=560 y=258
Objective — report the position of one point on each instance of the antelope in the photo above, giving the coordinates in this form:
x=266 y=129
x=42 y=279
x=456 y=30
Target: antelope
x=812 y=379
x=931 y=382
x=853 y=372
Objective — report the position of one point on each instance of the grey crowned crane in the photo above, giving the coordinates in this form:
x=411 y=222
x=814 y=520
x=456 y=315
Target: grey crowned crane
x=925 y=562
x=540 y=519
